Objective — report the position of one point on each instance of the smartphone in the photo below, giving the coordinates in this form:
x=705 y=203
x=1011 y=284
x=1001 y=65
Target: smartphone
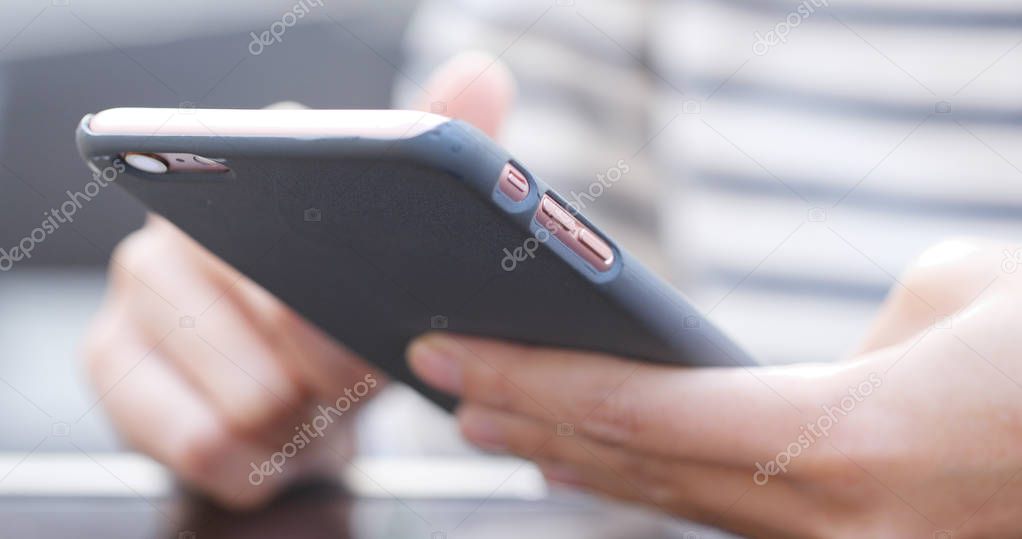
x=381 y=225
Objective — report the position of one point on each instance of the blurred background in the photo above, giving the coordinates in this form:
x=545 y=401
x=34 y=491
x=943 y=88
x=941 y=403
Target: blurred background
x=782 y=191
x=62 y=470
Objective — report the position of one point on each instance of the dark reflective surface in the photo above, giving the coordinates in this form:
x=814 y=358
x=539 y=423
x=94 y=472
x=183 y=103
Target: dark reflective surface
x=320 y=510
x=323 y=510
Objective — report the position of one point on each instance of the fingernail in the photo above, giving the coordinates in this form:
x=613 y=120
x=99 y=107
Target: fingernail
x=481 y=429
x=432 y=360
x=561 y=474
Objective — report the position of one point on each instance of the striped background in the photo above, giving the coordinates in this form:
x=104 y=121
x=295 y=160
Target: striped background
x=894 y=123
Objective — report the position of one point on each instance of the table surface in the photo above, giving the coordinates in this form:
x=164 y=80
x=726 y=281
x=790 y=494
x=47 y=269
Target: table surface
x=324 y=510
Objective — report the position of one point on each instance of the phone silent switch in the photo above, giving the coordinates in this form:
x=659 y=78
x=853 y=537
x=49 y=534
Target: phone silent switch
x=513 y=183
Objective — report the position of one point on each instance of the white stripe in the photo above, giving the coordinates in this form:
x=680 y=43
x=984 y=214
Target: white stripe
x=132 y=475
x=780 y=328
x=535 y=59
x=503 y=478
x=852 y=245
x=991 y=6
x=713 y=40
x=75 y=474
x=621 y=19
x=941 y=159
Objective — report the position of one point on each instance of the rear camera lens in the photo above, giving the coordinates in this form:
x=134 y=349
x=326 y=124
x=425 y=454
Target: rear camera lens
x=146 y=162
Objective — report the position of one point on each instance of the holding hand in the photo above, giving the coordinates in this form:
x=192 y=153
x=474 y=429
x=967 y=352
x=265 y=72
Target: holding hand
x=919 y=433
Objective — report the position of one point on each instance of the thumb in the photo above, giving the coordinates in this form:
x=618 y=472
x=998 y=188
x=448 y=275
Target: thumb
x=474 y=87
x=719 y=415
x=944 y=281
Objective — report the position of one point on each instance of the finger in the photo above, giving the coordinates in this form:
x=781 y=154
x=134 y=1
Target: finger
x=693 y=490
x=171 y=237
x=474 y=87
x=241 y=372
x=497 y=430
x=218 y=348
x=161 y=414
x=724 y=415
x=145 y=264
x=326 y=367
x=756 y=512
x=313 y=358
x=945 y=279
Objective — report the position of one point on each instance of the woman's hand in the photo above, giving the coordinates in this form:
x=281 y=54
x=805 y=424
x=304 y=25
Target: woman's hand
x=213 y=376
x=919 y=435
x=210 y=374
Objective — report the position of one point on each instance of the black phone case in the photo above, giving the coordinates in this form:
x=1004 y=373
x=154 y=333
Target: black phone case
x=378 y=241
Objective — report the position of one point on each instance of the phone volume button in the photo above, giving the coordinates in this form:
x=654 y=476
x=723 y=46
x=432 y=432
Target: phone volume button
x=558 y=214
x=598 y=247
x=574 y=234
